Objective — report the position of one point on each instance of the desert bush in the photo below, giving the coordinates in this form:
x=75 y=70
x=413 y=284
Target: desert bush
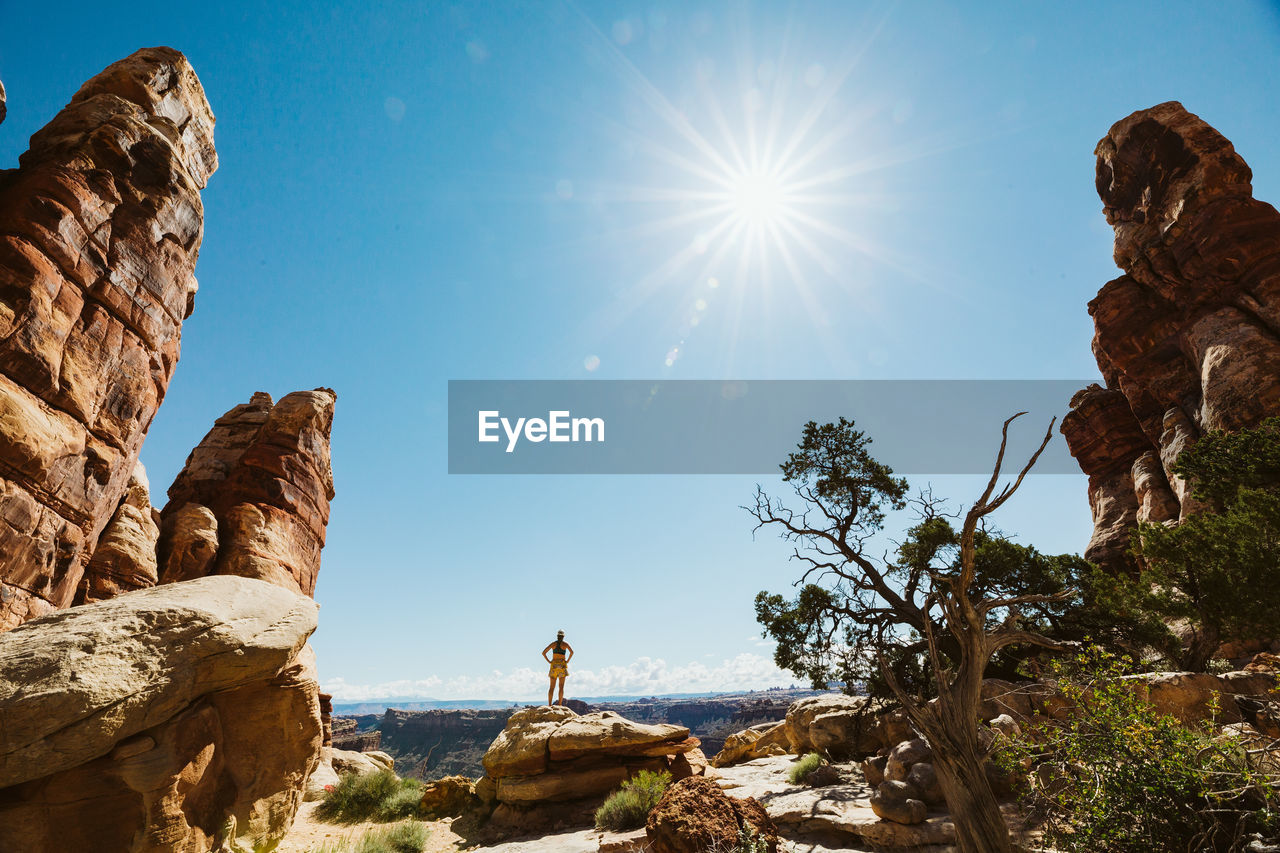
x=381 y=796
x=408 y=837
x=802 y=768
x=629 y=806
x=1115 y=776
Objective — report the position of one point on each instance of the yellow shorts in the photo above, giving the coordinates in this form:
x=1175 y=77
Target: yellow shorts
x=559 y=669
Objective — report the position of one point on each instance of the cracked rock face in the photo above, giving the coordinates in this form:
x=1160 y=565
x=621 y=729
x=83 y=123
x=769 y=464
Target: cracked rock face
x=100 y=227
x=1188 y=339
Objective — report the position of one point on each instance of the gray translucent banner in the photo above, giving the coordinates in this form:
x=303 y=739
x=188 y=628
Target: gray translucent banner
x=917 y=427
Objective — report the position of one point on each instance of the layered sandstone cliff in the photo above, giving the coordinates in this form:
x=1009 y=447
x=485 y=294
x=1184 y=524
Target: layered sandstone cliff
x=100 y=227
x=253 y=499
x=1188 y=339
x=170 y=710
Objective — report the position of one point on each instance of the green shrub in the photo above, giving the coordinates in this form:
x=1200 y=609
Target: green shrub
x=804 y=767
x=381 y=796
x=629 y=806
x=408 y=837
x=1117 y=777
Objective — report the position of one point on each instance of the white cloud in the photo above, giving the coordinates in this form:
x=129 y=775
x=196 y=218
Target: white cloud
x=642 y=677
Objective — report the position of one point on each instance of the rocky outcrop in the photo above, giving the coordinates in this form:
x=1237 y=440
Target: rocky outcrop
x=100 y=227
x=695 y=815
x=756 y=742
x=253 y=498
x=170 y=718
x=842 y=726
x=1188 y=339
x=549 y=763
x=125 y=558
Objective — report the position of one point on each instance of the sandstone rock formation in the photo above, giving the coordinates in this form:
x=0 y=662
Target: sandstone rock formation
x=163 y=719
x=842 y=726
x=99 y=232
x=1188 y=339
x=125 y=558
x=695 y=815
x=756 y=742
x=550 y=763
x=253 y=499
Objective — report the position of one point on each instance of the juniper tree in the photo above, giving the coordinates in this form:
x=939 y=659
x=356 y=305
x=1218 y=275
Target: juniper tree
x=854 y=603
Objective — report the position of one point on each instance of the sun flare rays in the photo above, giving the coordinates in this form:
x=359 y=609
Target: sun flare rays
x=752 y=177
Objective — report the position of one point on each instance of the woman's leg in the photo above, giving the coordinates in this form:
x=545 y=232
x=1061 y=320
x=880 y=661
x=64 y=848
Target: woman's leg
x=562 y=690
x=552 y=689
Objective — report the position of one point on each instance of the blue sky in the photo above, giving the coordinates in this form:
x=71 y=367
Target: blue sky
x=411 y=193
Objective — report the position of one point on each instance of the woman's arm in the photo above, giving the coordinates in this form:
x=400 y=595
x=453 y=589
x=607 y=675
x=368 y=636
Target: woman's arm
x=544 y=652
x=569 y=656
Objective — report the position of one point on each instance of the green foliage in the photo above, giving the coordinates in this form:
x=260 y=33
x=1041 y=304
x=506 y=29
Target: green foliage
x=1116 y=777
x=820 y=636
x=629 y=806
x=408 y=837
x=381 y=796
x=1218 y=569
x=802 y=768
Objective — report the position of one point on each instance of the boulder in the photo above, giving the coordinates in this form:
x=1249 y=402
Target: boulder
x=100 y=227
x=166 y=713
x=1005 y=697
x=898 y=802
x=843 y=732
x=873 y=769
x=756 y=742
x=905 y=754
x=924 y=779
x=1185 y=338
x=695 y=815
x=344 y=761
x=323 y=779
x=448 y=797
x=1186 y=696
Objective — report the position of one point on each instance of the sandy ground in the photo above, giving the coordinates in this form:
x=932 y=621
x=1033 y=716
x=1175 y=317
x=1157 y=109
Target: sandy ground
x=309 y=834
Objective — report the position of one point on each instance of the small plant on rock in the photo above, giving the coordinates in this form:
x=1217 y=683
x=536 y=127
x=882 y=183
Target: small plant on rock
x=629 y=806
x=801 y=769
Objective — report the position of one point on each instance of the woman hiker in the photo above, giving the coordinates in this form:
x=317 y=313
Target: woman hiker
x=561 y=654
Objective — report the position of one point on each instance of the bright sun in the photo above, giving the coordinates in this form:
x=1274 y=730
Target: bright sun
x=758 y=198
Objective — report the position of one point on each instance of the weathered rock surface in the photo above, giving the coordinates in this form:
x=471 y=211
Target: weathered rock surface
x=550 y=764
x=100 y=227
x=125 y=558
x=448 y=797
x=756 y=742
x=158 y=719
x=1188 y=339
x=834 y=723
x=695 y=815
x=253 y=499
